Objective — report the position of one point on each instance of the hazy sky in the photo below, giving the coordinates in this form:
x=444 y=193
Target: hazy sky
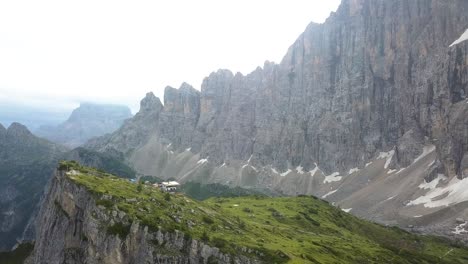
x=57 y=53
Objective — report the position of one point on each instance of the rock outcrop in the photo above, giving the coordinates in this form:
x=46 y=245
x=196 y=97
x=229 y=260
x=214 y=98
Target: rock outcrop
x=73 y=229
x=85 y=122
x=26 y=165
x=378 y=83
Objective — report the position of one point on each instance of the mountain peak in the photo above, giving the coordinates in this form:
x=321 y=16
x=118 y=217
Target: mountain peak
x=185 y=87
x=91 y=111
x=17 y=129
x=87 y=121
x=150 y=103
x=2 y=129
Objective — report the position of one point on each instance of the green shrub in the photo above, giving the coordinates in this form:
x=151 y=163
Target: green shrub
x=205 y=238
x=139 y=187
x=247 y=210
x=212 y=260
x=105 y=203
x=207 y=220
x=219 y=242
x=18 y=255
x=119 y=229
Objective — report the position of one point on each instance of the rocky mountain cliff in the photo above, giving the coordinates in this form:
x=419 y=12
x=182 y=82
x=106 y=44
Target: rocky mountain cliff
x=73 y=228
x=26 y=163
x=368 y=110
x=89 y=216
x=87 y=121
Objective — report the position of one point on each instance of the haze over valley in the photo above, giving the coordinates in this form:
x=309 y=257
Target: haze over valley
x=352 y=147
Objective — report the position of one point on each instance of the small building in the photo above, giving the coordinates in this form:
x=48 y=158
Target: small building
x=170 y=186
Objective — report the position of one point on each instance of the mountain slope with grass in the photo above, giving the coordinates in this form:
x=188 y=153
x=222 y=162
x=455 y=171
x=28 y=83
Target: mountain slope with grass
x=93 y=217
x=26 y=163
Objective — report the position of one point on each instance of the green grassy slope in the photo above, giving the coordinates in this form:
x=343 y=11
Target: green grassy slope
x=18 y=255
x=284 y=230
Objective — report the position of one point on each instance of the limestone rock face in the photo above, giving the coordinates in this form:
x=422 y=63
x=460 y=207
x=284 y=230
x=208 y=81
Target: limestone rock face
x=72 y=229
x=135 y=131
x=376 y=75
x=369 y=93
x=180 y=114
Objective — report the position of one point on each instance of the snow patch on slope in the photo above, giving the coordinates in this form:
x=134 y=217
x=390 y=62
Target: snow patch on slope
x=455 y=192
x=462 y=38
x=334 y=177
x=433 y=184
x=430 y=164
x=329 y=193
x=460 y=229
x=202 y=161
x=426 y=151
x=353 y=170
x=347 y=210
x=312 y=172
x=300 y=170
x=285 y=173
x=388 y=156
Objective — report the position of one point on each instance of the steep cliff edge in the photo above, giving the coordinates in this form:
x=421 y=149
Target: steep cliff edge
x=89 y=216
x=74 y=226
x=370 y=105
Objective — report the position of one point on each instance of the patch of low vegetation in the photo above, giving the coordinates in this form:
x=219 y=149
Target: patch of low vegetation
x=105 y=203
x=119 y=229
x=276 y=230
x=105 y=162
x=202 y=192
x=207 y=220
x=151 y=179
x=18 y=255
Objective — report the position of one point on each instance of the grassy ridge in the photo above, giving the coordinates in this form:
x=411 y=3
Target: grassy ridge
x=277 y=230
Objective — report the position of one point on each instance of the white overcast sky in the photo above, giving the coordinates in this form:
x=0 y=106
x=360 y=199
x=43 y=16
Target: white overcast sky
x=55 y=54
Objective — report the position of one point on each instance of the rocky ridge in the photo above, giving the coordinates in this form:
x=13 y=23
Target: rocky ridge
x=376 y=94
x=72 y=229
x=89 y=216
x=26 y=163
x=87 y=121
